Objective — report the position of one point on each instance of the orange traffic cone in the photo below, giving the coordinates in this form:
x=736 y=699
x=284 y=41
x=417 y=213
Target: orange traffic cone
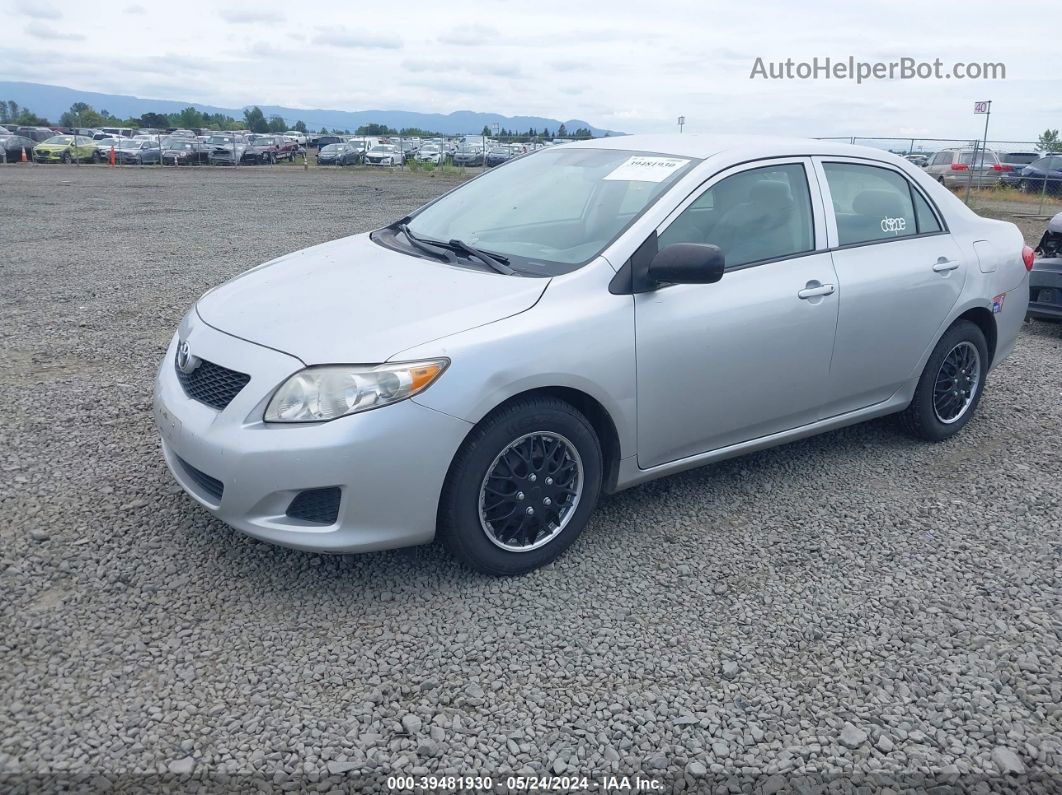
x=24 y=158
x=112 y=156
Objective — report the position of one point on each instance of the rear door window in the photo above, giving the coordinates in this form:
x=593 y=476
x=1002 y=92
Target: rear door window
x=870 y=203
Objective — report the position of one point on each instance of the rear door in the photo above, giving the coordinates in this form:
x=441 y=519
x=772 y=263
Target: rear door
x=899 y=273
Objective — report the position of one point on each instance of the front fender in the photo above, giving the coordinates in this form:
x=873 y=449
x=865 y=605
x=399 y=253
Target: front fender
x=578 y=336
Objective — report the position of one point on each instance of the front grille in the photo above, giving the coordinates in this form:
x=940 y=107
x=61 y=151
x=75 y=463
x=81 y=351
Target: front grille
x=212 y=384
x=320 y=506
x=212 y=486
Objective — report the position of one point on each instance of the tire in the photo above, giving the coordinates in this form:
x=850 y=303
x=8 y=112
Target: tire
x=931 y=420
x=1024 y=186
x=528 y=425
x=95 y=157
x=66 y=158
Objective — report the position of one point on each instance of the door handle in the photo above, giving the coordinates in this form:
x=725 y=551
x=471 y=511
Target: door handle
x=815 y=292
x=944 y=264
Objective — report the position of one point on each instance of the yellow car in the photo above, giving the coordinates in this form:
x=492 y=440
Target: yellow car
x=66 y=149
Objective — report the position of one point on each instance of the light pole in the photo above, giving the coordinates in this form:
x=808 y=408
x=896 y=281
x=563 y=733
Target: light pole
x=681 y=122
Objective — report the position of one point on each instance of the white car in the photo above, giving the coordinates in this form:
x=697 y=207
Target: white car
x=430 y=154
x=298 y=137
x=384 y=155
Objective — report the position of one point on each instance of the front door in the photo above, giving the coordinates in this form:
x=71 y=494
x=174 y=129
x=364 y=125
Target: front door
x=748 y=356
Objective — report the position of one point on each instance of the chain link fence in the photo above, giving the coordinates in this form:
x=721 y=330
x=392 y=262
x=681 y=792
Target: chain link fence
x=1034 y=195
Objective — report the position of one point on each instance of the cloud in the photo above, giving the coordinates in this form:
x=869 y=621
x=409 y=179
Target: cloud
x=441 y=66
x=30 y=8
x=470 y=36
x=134 y=9
x=236 y=16
x=357 y=40
x=41 y=31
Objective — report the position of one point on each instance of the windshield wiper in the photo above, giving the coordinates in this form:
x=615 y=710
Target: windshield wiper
x=422 y=245
x=495 y=261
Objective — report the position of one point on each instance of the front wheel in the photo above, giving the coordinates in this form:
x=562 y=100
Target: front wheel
x=951 y=384
x=66 y=158
x=522 y=487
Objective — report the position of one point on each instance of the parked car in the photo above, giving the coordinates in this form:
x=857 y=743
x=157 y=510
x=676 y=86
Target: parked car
x=12 y=147
x=918 y=160
x=137 y=151
x=498 y=155
x=182 y=134
x=468 y=156
x=118 y=132
x=384 y=155
x=183 y=151
x=298 y=137
x=225 y=149
x=507 y=373
x=325 y=140
x=1035 y=177
x=431 y=153
x=338 y=155
x=955 y=168
x=37 y=134
x=1018 y=160
x=262 y=149
x=1045 y=281
x=103 y=146
x=66 y=149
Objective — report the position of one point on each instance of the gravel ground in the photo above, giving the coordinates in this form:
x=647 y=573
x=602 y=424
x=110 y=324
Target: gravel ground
x=855 y=604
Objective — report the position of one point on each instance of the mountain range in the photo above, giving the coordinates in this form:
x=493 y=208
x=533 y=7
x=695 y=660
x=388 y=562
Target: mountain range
x=53 y=101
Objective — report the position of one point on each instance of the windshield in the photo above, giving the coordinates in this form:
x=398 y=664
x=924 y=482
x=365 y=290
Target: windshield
x=1021 y=157
x=60 y=139
x=219 y=139
x=179 y=144
x=382 y=149
x=552 y=211
x=127 y=143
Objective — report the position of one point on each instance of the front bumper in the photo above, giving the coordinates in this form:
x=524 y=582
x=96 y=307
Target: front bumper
x=1045 y=289
x=389 y=464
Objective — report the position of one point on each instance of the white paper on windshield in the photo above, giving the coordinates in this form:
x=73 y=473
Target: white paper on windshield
x=641 y=168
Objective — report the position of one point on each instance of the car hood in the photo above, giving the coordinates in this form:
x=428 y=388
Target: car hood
x=354 y=301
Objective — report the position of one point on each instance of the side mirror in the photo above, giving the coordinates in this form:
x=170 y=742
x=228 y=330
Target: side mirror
x=688 y=263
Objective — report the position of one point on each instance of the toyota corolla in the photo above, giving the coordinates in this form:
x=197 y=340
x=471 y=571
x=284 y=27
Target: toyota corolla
x=578 y=321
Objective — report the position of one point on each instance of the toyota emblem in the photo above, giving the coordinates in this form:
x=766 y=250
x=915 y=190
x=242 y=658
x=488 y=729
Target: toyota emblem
x=186 y=363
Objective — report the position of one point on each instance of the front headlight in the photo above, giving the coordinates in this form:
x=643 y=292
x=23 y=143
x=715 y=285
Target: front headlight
x=324 y=393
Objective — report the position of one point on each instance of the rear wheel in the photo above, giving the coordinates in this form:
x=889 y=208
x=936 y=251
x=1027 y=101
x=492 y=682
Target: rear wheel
x=951 y=384
x=522 y=487
x=96 y=157
x=66 y=158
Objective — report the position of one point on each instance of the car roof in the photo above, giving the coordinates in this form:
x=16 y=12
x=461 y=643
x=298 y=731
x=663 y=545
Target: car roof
x=740 y=147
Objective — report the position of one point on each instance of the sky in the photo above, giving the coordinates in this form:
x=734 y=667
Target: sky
x=629 y=66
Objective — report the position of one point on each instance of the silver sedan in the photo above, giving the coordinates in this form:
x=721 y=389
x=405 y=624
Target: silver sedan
x=577 y=321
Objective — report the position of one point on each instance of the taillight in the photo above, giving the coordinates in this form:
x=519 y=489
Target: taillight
x=1027 y=257
x=998 y=167
x=959 y=167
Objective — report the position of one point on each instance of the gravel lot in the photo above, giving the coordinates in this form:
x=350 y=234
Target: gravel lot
x=854 y=604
